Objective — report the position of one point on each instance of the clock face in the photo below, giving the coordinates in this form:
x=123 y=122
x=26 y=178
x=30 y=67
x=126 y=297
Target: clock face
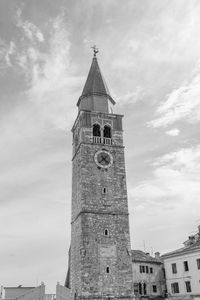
x=103 y=159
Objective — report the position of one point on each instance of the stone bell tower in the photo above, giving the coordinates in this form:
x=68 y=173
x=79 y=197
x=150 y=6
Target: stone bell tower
x=100 y=254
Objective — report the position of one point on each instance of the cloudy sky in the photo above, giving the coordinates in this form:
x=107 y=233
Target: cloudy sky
x=150 y=58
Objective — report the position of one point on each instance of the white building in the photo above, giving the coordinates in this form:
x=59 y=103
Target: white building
x=148 y=275
x=182 y=269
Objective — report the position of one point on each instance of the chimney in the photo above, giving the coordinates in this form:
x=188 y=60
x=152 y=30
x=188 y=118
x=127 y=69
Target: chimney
x=157 y=255
x=191 y=239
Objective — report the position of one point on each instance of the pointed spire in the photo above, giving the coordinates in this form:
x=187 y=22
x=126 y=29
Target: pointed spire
x=95 y=84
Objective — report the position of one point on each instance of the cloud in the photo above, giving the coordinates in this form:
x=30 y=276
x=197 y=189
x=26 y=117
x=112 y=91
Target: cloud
x=130 y=97
x=22 y=52
x=31 y=31
x=7 y=53
x=186 y=159
x=11 y=50
x=176 y=177
x=54 y=87
x=168 y=200
x=182 y=104
x=173 y=132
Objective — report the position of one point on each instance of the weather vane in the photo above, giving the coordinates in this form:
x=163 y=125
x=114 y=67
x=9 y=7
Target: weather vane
x=95 y=50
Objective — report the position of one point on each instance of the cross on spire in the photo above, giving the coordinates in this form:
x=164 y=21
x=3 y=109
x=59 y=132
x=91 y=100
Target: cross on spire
x=95 y=50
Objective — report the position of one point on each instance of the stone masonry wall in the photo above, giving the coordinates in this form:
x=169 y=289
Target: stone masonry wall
x=93 y=212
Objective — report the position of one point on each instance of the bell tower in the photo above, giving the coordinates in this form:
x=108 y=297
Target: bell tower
x=100 y=265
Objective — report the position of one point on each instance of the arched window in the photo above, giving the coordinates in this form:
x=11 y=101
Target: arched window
x=96 y=130
x=107 y=132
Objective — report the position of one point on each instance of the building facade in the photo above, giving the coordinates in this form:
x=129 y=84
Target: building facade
x=25 y=293
x=100 y=254
x=182 y=269
x=34 y=293
x=148 y=276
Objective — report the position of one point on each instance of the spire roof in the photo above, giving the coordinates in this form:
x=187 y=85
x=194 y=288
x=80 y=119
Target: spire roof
x=95 y=83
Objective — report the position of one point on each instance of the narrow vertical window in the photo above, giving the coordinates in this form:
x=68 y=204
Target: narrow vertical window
x=151 y=270
x=140 y=288
x=198 y=263
x=144 y=288
x=143 y=269
x=106 y=232
x=147 y=269
x=188 y=286
x=186 y=267
x=107 y=270
x=104 y=190
x=174 y=269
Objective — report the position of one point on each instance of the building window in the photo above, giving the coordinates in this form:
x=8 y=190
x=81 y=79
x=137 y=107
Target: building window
x=143 y=269
x=96 y=130
x=146 y=269
x=186 y=268
x=154 y=288
x=107 y=270
x=175 y=288
x=136 y=288
x=106 y=232
x=174 y=269
x=144 y=288
x=198 y=263
x=140 y=288
x=188 y=286
x=107 y=132
x=82 y=252
x=104 y=190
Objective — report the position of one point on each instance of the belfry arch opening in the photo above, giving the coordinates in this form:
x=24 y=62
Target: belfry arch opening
x=96 y=130
x=107 y=132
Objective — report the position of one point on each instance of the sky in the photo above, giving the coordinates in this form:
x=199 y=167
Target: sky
x=149 y=54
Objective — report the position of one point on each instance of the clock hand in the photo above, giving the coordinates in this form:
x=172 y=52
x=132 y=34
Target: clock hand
x=106 y=160
x=101 y=159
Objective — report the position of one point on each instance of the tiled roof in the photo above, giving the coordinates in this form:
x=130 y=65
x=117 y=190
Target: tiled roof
x=140 y=256
x=188 y=249
x=95 y=83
